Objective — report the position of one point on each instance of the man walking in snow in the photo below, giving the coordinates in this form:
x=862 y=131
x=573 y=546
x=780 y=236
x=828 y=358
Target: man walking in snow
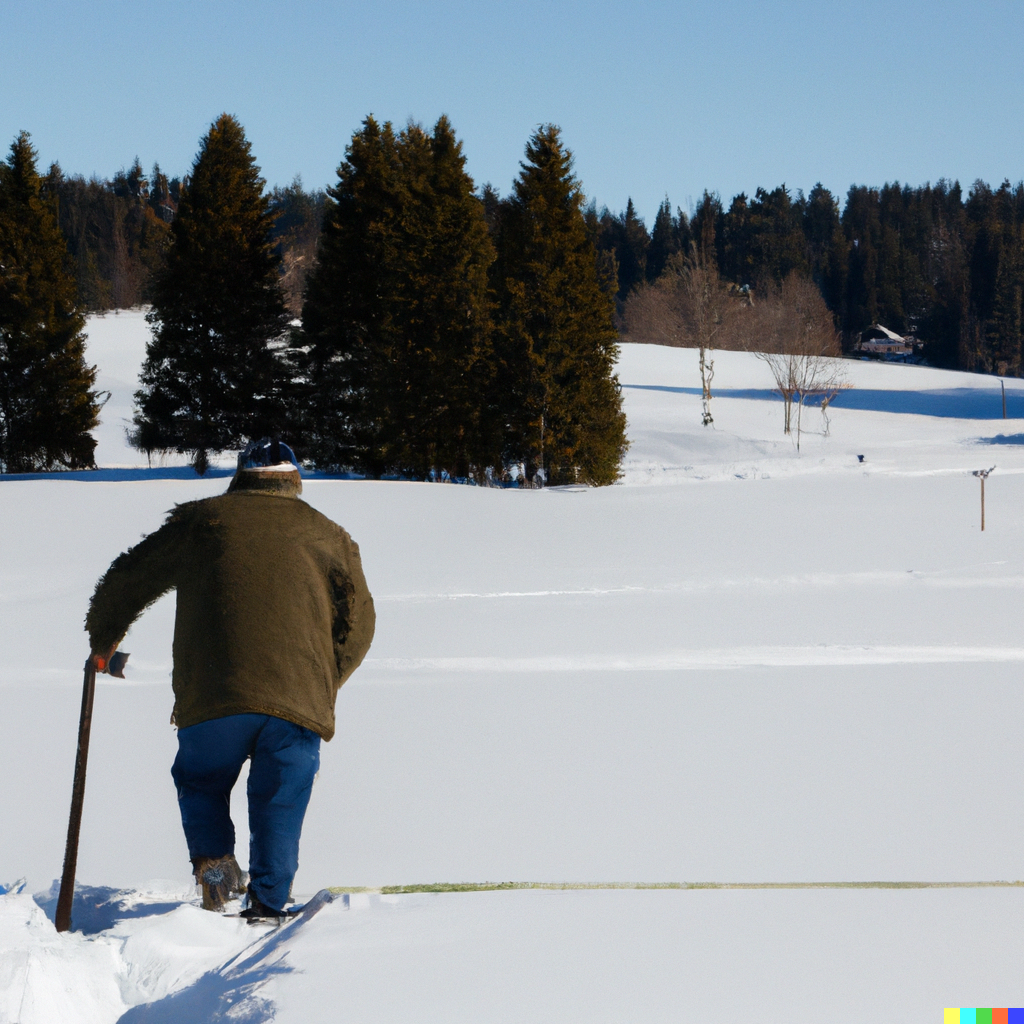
x=273 y=615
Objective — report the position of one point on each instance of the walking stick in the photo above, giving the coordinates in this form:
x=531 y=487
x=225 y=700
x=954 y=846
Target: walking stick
x=62 y=918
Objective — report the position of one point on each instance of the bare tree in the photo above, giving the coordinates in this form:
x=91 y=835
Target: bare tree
x=689 y=305
x=792 y=330
x=711 y=311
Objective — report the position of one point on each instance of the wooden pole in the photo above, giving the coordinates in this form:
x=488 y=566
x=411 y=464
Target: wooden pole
x=62 y=919
x=981 y=474
x=1002 y=384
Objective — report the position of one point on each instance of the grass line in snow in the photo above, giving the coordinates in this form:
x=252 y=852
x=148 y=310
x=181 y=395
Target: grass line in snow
x=397 y=890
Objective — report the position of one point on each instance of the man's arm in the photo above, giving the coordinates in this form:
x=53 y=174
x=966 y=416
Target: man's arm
x=354 y=615
x=135 y=579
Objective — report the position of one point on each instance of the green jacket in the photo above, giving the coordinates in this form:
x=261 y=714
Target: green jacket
x=273 y=612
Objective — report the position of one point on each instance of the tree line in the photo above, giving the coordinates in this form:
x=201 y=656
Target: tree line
x=445 y=333
x=117 y=232
x=926 y=261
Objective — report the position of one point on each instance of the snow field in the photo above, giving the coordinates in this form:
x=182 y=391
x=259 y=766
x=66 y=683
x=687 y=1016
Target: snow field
x=776 y=666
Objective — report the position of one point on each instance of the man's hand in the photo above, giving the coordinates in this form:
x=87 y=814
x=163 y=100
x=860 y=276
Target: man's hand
x=112 y=663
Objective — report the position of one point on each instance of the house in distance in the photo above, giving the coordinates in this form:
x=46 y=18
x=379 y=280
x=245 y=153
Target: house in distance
x=878 y=342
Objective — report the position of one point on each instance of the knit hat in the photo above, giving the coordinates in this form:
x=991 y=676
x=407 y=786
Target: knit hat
x=266 y=454
x=267 y=466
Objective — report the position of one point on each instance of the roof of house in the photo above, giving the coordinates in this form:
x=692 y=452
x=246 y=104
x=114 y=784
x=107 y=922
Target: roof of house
x=877 y=330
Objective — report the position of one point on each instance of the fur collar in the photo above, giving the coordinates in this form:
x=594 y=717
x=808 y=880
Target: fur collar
x=286 y=484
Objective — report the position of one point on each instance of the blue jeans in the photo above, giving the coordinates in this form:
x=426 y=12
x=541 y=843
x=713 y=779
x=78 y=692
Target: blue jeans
x=285 y=760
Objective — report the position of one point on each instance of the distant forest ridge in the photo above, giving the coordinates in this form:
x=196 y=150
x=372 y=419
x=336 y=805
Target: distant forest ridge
x=926 y=261
x=117 y=232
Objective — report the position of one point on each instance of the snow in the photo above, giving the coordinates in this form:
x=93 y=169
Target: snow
x=891 y=335
x=774 y=666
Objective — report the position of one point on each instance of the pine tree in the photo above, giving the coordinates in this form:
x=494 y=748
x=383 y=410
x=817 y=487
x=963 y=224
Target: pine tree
x=664 y=241
x=863 y=229
x=47 y=405
x=601 y=229
x=159 y=200
x=737 y=263
x=707 y=227
x=826 y=246
x=397 y=315
x=213 y=375
x=563 y=408
x=1006 y=328
x=777 y=239
x=631 y=250
x=298 y=215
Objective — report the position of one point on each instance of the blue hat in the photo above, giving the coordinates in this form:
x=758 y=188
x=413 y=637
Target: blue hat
x=266 y=452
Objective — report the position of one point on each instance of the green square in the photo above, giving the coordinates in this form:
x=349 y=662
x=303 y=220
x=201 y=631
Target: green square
x=983 y=1015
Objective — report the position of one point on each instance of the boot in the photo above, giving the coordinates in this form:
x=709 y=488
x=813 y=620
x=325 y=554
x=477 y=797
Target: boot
x=257 y=910
x=220 y=878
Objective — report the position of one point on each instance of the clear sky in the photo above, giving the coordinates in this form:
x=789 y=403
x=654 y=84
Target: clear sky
x=653 y=98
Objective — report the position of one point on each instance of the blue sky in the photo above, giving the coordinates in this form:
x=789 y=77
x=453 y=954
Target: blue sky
x=653 y=98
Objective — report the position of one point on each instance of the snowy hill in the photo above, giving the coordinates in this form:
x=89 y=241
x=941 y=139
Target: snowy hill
x=775 y=667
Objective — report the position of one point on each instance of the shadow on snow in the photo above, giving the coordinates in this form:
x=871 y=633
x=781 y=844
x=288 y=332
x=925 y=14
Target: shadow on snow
x=1002 y=439
x=947 y=403
x=95 y=908
x=158 y=473
x=227 y=993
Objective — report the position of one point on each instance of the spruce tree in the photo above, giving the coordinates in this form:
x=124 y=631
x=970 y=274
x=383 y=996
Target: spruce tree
x=664 y=242
x=707 y=227
x=47 y=405
x=214 y=375
x=826 y=245
x=631 y=250
x=862 y=227
x=562 y=405
x=778 y=246
x=737 y=262
x=1006 y=328
x=397 y=315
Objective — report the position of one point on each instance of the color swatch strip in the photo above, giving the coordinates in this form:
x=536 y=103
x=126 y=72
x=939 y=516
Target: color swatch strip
x=983 y=1015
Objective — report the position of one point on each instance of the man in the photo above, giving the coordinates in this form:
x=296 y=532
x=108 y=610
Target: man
x=273 y=615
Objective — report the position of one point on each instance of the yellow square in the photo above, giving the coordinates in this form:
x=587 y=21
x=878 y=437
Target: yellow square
x=951 y=1015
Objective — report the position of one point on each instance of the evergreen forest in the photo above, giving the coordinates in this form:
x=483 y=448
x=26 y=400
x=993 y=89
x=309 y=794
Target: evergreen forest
x=927 y=261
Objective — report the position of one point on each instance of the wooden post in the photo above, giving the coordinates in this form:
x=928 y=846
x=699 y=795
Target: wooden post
x=1002 y=384
x=982 y=475
x=62 y=919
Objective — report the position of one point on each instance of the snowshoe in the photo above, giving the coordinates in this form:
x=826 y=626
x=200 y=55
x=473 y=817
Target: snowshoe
x=258 y=912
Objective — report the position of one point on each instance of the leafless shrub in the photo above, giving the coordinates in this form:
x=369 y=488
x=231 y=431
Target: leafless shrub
x=653 y=314
x=792 y=331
